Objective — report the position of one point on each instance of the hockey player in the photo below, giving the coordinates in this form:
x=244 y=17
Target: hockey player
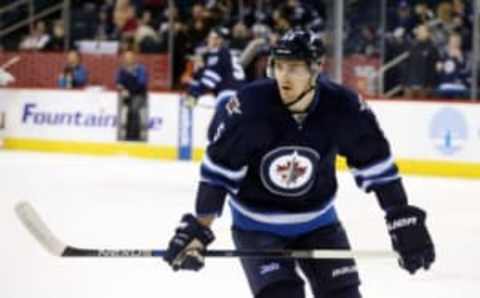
x=219 y=73
x=272 y=150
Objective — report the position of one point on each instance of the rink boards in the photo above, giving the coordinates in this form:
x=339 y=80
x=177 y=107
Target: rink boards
x=428 y=138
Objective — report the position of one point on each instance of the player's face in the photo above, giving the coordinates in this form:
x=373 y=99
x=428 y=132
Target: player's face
x=293 y=78
x=72 y=58
x=214 y=41
x=129 y=59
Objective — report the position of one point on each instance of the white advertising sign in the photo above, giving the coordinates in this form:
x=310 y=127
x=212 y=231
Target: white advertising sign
x=431 y=131
x=61 y=115
x=163 y=114
x=201 y=120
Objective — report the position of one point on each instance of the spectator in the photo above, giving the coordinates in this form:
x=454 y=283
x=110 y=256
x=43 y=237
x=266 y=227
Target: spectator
x=132 y=84
x=281 y=19
x=423 y=14
x=198 y=26
x=240 y=38
x=298 y=13
x=74 y=74
x=395 y=46
x=125 y=19
x=444 y=24
x=181 y=42
x=459 y=8
x=57 y=42
x=462 y=24
x=403 y=18
x=366 y=42
x=38 y=39
x=453 y=70
x=255 y=56
x=105 y=27
x=146 y=39
x=420 y=65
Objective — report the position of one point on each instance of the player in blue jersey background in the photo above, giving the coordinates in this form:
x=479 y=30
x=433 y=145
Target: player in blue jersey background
x=220 y=74
x=272 y=151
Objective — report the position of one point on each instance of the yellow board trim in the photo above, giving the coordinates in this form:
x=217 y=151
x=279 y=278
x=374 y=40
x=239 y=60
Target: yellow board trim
x=119 y=148
x=434 y=168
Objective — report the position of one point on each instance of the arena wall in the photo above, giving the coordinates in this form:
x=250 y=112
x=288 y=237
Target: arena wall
x=428 y=138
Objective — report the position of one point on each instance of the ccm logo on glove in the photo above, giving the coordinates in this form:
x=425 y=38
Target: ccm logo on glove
x=401 y=223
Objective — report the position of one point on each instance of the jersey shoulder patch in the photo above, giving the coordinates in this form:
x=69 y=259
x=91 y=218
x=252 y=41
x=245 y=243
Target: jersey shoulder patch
x=242 y=111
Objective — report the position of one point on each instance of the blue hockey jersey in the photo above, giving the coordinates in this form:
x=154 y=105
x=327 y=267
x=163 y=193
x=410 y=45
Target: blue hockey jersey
x=221 y=74
x=278 y=171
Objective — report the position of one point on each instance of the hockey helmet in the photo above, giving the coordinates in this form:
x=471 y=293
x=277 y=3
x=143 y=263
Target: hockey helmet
x=297 y=44
x=221 y=31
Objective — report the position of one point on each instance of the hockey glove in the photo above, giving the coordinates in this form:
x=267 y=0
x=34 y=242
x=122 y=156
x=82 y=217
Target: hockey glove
x=186 y=248
x=410 y=237
x=190 y=101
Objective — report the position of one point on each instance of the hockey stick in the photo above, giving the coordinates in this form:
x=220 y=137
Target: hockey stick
x=10 y=62
x=37 y=227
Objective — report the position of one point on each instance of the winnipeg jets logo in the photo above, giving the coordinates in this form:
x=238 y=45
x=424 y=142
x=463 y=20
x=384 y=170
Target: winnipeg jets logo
x=233 y=106
x=289 y=171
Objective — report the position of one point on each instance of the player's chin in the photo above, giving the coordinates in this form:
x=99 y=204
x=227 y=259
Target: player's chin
x=287 y=96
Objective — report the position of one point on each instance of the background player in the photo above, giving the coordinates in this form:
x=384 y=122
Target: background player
x=217 y=72
x=273 y=150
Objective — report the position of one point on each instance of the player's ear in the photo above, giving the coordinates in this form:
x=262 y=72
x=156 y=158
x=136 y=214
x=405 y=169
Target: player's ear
x=314 y=70
x=270 y=71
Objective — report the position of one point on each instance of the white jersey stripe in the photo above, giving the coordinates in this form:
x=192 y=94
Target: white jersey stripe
x=281 y=218
x=375 y=169
x=227 y=173
x=212 y=75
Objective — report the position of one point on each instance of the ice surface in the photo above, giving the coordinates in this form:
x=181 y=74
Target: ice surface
x=117 y=202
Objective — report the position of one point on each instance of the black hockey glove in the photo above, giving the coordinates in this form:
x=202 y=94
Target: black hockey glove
x=410 y=237
x=186 y=248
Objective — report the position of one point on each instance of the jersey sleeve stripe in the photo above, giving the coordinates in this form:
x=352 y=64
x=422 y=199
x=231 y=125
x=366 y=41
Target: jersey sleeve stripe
x=367 y=185
x=194 y=83
x=214 y=76
x=208 y=174
x=375 y=169
x=360 y=180
x=219 y=183
x=234 y=175
x=207 y=82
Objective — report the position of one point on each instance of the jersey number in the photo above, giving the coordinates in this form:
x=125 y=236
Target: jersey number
x=238 y=72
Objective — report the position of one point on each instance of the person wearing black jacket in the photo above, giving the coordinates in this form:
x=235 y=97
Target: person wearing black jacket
x=420 y=66
x=132 y=84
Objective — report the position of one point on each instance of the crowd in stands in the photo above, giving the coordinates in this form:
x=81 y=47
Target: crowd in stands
x=436 y=34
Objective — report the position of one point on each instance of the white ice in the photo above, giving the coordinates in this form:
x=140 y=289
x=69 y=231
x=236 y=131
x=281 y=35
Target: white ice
x=118 y=202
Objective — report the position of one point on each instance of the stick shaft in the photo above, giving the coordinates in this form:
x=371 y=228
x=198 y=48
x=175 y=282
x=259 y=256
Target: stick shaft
x=296 y=254
x=39 y=229
x=10 y=62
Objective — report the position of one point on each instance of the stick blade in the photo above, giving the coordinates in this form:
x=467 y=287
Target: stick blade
x=35 y=225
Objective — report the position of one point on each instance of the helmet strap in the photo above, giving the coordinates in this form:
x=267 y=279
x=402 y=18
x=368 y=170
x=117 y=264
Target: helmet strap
x=300 y=96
